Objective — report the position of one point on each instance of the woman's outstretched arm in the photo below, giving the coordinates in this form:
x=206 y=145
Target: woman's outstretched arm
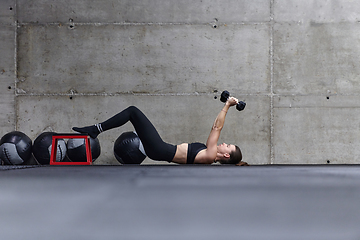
x=210 y=153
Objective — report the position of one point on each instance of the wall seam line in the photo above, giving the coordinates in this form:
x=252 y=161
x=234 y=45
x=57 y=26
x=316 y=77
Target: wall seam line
x=15 y=66
x=272 y=82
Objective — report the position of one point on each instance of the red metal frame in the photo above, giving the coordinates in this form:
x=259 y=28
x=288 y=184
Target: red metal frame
x=58 y=136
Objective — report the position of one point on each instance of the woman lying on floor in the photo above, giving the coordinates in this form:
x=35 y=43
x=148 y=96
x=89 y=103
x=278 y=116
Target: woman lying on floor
x=185 y=153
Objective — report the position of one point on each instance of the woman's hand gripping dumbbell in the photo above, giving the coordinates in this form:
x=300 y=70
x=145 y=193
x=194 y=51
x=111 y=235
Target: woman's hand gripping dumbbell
x=224 y=97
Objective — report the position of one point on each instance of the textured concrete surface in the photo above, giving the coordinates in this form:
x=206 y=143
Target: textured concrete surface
x=316 y=58
x=317 y=11
x=143 y=11
x=68 y=63
x=7 y=77
x=7 y=12
x=181 y=202
x=143 y=59
x=318 y=129
x=7 y=66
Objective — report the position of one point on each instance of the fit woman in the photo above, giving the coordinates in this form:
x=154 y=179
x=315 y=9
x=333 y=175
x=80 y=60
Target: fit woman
x=184 y=153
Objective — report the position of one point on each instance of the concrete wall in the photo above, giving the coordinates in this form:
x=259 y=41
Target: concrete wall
x=295 y=63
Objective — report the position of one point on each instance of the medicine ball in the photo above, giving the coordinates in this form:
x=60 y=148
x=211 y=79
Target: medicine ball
x=76 y=149
x=128 y=149
x=42 y=148
x=15 y=148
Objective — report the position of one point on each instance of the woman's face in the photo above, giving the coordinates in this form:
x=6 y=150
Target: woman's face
x=225 y=148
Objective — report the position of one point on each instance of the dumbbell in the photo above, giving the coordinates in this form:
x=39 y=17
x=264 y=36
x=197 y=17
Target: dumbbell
x=224 y=97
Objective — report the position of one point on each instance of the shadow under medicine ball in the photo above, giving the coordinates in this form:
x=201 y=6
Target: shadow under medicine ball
x=42 y=148
x=76 y=149
x=128 y=149
x=15 y=148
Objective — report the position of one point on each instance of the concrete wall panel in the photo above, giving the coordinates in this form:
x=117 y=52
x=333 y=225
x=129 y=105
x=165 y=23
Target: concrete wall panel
x=178 y=119
x=7 y=11
x=316 y=130
x=7 y=78
x=143 y=58
x=100 y=11
x=316 y=58
x=7 y=66
x=324 y=11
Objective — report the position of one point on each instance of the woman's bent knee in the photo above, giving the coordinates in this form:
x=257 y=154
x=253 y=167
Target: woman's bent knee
x=133 y=108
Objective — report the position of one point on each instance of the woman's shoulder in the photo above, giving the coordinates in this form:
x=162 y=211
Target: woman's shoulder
x=203 y=157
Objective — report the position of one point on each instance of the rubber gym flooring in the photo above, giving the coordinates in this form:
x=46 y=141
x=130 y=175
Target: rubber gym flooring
x=180 y=202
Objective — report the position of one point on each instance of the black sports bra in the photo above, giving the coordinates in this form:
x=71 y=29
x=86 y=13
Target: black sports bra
x=193 y=150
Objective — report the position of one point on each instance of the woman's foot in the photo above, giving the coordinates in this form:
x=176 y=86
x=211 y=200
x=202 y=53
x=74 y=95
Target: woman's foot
x=93 y=131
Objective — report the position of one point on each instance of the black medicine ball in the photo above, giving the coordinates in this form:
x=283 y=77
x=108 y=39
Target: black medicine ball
x=15 y=148
x=76 y=149
x=42 y=148
x=128 y=149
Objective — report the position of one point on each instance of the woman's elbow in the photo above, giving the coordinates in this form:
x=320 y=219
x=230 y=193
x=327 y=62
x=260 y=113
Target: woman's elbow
x=216 y=128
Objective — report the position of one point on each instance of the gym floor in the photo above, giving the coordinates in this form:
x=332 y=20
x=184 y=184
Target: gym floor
x=180 y=202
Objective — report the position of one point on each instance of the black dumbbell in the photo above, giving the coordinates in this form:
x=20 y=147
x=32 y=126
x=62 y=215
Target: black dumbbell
x=224 y=97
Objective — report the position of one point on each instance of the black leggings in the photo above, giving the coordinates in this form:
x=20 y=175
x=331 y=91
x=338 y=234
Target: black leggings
x=155 y=147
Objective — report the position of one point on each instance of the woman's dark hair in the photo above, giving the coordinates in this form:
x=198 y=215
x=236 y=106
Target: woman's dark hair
x=235 y=157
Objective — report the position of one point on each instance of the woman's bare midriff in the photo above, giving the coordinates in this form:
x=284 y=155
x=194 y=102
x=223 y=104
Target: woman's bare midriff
x=181 y=153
